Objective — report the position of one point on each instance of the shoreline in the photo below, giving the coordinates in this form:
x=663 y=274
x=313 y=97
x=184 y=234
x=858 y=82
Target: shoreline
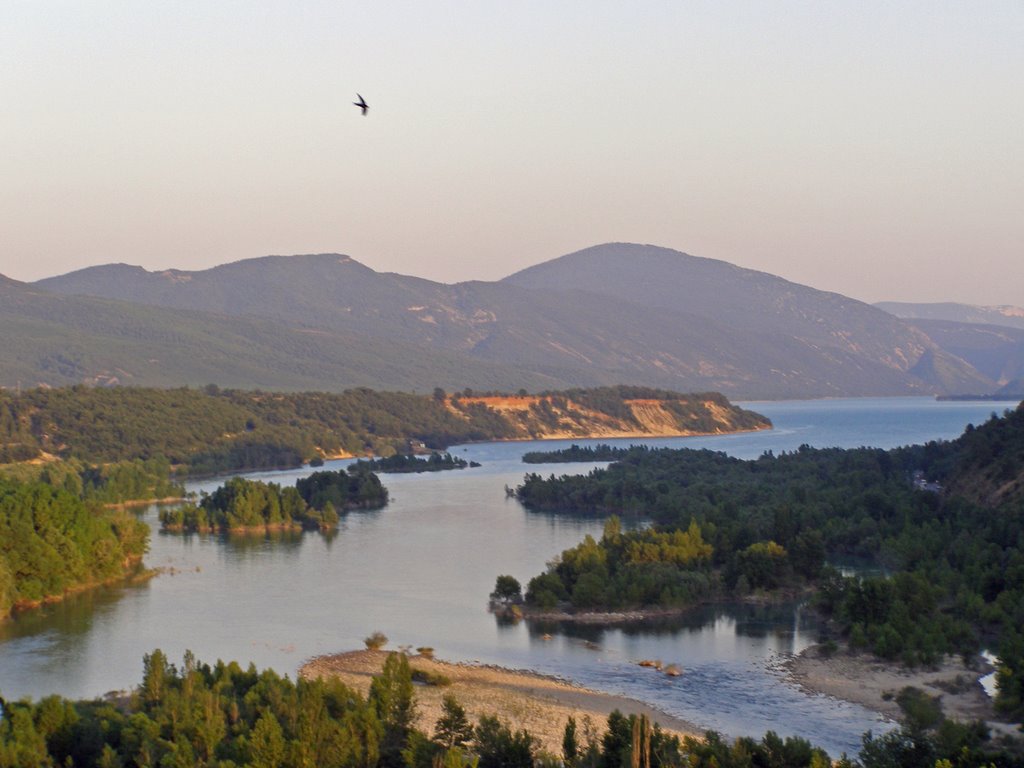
x=873 y=683
x=137 y=575
x=614 y=436
x=541 y=704
x=130 y=503
x=627 y=615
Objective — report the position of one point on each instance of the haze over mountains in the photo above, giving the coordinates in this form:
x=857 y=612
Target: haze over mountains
x=615 y=313
x=1012 y=317
x=990 y=338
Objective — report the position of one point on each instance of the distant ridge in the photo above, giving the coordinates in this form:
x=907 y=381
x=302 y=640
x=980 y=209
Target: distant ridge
x=55 y=340
x=618 y=313
x=1009 y=316
x=996 y=351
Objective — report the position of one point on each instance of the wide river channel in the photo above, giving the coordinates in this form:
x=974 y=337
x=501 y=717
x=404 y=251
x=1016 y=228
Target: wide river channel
x=420 y=571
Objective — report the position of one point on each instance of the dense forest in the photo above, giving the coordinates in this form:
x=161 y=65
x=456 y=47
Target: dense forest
x=224 y=716
x=212 y=430
x=313 y=503
x=945 y=520
x=112 y=483
x=51 y=541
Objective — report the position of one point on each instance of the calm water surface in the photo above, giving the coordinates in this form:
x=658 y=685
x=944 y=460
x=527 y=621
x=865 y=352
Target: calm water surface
x=420 y=571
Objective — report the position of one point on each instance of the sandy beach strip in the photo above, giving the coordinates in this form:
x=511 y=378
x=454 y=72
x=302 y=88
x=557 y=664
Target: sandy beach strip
x=873 y=683
x=537 y=703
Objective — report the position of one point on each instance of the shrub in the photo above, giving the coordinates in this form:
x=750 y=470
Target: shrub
x=427 y=677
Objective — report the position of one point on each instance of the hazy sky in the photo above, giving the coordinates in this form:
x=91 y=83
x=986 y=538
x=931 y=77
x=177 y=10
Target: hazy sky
x=871 y=148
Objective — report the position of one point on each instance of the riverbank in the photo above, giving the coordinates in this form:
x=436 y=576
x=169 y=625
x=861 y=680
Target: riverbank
x=873 y=683
x=134 y=573
x=538 y=703
x=518 y=611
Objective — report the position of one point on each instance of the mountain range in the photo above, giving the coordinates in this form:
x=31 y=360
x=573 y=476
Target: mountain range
x=613 y=313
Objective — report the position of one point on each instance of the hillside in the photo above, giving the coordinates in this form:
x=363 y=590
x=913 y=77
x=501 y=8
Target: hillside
x=210 y=430
x=56 y=340
x=616 y=313
x=829 y=335
x=996 y=351
x=987 y=464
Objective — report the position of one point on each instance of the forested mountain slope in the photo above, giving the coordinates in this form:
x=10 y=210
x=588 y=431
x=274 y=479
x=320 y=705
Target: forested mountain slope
x=57 y=340
x=616 y=313
x=834 y=331
x=987 y=465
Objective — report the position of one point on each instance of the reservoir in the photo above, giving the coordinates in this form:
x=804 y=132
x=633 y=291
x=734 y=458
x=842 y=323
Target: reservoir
x=420 y=571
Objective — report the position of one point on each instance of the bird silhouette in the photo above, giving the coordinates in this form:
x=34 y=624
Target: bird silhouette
x=361 y=104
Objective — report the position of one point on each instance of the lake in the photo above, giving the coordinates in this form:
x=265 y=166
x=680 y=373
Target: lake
x=420 y=571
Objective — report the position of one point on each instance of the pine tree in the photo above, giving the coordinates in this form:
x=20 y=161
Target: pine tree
x=391 y=695
x=453 y=728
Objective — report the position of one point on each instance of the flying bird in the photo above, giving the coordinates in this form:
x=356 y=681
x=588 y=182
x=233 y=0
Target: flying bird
x=361 y=104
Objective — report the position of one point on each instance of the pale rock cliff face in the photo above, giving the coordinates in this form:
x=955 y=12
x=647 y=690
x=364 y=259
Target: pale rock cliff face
x=540 y=417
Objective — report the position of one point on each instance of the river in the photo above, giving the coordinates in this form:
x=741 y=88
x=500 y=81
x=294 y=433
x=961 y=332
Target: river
x=420 y=571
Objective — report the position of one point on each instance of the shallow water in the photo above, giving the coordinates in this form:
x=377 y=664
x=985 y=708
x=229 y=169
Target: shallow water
x=420 y=571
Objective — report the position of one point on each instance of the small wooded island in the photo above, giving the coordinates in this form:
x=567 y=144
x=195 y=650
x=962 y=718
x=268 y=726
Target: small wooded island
x=726 y=528
x=252 y=505
x=402 y=463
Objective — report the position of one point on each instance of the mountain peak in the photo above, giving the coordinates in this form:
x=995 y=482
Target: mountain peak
x=607 y=256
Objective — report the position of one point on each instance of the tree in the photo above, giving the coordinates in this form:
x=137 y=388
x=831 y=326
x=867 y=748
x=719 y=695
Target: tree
x=507 y=589
x=617 y=741
x=499 y=747
x=391 y=695
x=764 y=563
x=453 y=728
x=267 y=745
x=156 y=674
x=570 y=746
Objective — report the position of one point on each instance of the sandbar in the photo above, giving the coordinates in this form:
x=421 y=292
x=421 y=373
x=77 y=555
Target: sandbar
x=537 y=703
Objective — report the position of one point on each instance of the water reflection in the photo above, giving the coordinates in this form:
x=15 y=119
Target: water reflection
x=71 y=617
x=241 y=542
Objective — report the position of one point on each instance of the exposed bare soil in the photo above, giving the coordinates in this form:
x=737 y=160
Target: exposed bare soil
x=873 y=683
x=537 y=703
x=655 y=419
